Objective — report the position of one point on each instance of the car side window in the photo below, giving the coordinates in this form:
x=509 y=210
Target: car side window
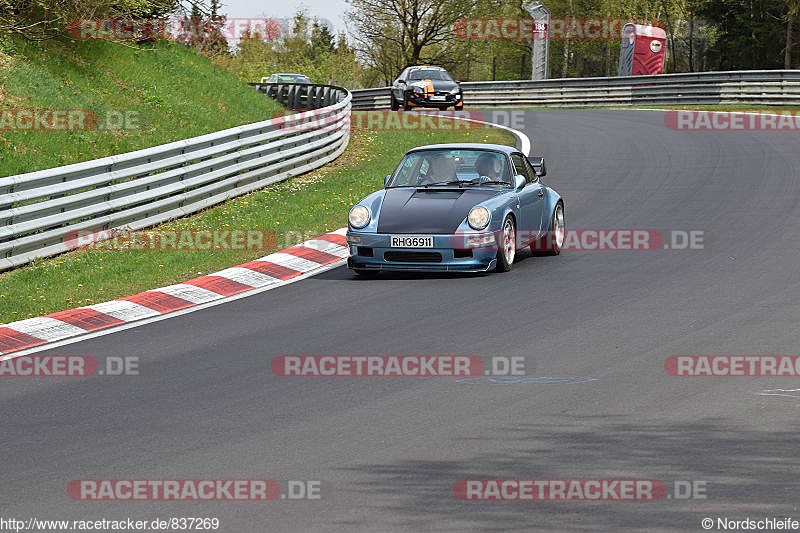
x=531 y=172
x=521 y=169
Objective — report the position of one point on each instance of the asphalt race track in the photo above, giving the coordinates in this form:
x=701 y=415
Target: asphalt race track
x=207 y=405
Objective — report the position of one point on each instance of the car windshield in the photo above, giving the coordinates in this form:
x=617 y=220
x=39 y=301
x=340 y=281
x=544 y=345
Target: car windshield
x=292 y=78
x=429 y=74
x=434 y=168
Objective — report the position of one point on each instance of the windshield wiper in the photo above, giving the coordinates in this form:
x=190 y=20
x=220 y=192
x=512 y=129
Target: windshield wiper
x=478 y=181
x=453 y=182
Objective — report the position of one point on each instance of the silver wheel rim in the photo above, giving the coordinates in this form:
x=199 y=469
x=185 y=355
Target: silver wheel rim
x=509 y=246
x=559 y=226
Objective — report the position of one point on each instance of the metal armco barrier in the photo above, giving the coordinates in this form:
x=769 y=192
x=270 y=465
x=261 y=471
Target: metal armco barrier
x=755 y=87
x=42 y=212
x=301 y=96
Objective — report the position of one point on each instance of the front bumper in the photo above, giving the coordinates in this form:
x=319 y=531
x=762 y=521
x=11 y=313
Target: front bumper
x=421 y=100
x=452 y=259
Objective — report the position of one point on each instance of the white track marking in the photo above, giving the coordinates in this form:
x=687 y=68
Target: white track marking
x=124 y=310
x=190 y=293
x=290 y=261
x=328 y=247
x=245 y=276
x=46 y=329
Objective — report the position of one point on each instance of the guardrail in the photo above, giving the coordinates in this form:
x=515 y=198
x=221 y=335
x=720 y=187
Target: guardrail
x=42 y=212
x=757 y=87
x=300 y=96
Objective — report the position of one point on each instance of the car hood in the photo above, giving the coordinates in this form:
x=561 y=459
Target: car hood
x=438 y=85
x=434 y=210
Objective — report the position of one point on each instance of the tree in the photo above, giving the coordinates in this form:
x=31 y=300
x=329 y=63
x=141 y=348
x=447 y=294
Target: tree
x=47 y=19
x=217 y=44
x=405 y=32
x=322 y=40
x=792 y=9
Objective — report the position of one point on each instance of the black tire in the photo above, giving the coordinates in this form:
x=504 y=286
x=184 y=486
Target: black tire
x=394 y=104
x=406 y=105
x=549 y=245
x=366 y=274
x=504 y=262
x=459 y=107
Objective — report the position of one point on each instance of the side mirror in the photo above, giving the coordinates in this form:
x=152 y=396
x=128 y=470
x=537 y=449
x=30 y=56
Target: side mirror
x=520 y=182
x=401 y=82
x=386 y=180
x=539 y=166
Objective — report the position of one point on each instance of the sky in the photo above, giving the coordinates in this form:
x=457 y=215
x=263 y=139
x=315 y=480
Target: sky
x=330 y=10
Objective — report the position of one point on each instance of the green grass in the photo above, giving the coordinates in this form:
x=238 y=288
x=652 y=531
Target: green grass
x=294 y=210
x=175 y=93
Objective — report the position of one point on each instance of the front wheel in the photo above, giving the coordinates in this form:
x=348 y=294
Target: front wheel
x=393 y=103
x=459 y=106
x=553 y=240
x=508 y=246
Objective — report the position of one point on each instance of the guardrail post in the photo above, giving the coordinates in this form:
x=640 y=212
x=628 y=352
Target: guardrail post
x=309 y=90
x=318 y=101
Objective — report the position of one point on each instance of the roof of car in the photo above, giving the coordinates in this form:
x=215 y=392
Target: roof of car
x=466 y=146
x=426 y=67
x=289 y=74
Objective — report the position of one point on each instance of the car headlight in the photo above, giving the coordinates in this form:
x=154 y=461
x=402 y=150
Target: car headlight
x=417 y=89
x=359 y=216
x=455 y=90
x=479 y=217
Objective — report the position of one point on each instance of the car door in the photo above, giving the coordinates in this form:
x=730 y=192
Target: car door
x=531 y=201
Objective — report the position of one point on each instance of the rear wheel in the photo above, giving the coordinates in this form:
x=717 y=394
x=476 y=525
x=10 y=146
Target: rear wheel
x=553 y=240
x=507 y=250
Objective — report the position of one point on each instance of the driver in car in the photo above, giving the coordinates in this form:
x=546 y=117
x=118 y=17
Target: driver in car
x=442 y=169
x=487 y=167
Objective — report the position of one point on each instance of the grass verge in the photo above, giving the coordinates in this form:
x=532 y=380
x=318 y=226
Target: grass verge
x=142 y=95
x=295 y=209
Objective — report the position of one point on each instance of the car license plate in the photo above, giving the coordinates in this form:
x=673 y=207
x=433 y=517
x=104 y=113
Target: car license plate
x=438 y=98
x=410 y=241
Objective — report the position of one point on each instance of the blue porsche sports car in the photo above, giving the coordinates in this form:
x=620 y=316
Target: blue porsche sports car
x=456 y=207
